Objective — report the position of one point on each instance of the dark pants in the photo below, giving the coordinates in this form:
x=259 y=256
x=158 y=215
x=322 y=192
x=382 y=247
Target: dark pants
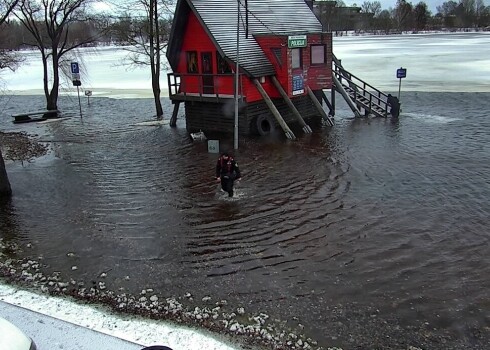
x=227 y=184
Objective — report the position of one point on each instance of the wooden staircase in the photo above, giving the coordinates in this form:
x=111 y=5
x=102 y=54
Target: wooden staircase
x=361 y=97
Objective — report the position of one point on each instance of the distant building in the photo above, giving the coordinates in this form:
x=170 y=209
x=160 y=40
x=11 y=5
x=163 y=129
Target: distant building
x=285 y=59
x=343 y=18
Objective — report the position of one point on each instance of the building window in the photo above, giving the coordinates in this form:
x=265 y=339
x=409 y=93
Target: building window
x=206 y=59
x=317 y=54
x=223 y=66
x=277 y=54
x=296 y=58
x=191 y=62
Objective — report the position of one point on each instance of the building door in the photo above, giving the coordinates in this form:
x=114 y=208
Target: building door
x=207 y=71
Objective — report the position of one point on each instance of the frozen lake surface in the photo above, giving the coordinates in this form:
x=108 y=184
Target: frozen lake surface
x=439 y=62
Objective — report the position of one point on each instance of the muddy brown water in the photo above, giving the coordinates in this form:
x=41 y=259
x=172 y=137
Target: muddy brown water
x=370 y=234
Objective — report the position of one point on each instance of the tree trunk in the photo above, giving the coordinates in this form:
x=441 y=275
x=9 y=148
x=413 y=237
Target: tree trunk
x=45 y=75
x=155 y=56
x=156 y=96
x=52 y=100
x=5 y=190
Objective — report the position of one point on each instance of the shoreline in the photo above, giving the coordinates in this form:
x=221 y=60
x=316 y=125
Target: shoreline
x=133 y=329
x=215 y=317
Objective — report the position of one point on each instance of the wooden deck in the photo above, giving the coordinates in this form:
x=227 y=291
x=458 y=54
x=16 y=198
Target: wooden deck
x=217 y=88
x=201 y=97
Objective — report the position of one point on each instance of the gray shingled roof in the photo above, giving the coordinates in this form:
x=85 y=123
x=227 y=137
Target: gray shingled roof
x=276 y=17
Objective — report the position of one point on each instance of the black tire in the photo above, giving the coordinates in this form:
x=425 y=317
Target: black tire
x=265 y=125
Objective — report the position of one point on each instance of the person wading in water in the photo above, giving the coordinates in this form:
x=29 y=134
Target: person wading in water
x=227 y=172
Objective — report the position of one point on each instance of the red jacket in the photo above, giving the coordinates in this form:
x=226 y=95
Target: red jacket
x=227 y=167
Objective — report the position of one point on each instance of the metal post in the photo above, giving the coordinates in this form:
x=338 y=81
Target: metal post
x=399 y=88
x=79 y=103
x=237 y=75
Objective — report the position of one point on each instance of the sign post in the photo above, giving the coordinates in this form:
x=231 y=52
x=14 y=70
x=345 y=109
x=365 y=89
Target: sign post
x=75 y=76
x=237 y=75
x=88 y=93
x=400 y=73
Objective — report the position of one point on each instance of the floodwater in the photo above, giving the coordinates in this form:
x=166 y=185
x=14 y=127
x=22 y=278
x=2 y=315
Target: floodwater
x=370 y=234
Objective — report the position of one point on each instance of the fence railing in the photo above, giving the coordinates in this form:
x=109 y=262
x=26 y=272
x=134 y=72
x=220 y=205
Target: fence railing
x=203 y=85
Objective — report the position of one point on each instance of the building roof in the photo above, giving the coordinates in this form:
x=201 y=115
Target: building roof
x=265 y=17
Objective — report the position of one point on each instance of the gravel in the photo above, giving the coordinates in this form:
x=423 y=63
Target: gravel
x=19 y=146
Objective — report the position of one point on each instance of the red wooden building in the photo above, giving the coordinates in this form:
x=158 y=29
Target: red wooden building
x=284 y=60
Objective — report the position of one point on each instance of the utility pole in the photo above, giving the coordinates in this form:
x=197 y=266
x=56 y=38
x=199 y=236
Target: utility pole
x=237 y=74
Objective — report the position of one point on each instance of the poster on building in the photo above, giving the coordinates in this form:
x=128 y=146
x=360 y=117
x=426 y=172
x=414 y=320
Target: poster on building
x=298 y=85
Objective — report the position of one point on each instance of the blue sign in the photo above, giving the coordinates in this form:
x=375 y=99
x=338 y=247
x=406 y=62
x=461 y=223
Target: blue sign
x=74 y=68
x=298 y=85
x=401 y=73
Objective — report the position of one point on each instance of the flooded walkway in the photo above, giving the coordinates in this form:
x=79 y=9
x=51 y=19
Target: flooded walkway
x=372 y=233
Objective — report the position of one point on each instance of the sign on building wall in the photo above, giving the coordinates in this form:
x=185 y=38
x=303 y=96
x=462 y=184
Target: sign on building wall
x=295 y=41
x=298 y=85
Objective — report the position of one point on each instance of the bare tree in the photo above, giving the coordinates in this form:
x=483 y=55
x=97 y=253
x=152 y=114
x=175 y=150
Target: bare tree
x=6 y=7
x=465 y=12
x=384 y=21
x=421 y=15
x=148 y=38
x=447 y=11
x=482 y=14
x=371 y=11
x=8 y=58
x=447 y=8
x=403 y=15
x=373 y=7
x=51 y=23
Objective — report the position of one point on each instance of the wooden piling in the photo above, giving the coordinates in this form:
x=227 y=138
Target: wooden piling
x=275 y=112
x=173 y=120
x=319 y=106
x=306 y=127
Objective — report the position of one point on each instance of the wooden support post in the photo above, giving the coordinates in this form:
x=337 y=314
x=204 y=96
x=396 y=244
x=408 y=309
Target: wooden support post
x=173 y=120
x=346 y=96
x=275 y=112
x=306 y=127
x=319 y=106
x=330 y=106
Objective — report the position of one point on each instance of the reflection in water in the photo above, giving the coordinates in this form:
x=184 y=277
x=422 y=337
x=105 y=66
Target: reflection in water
x=8 y=225
x=374 y=227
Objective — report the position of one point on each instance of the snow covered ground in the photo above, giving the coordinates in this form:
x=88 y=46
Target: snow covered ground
x=59 y=323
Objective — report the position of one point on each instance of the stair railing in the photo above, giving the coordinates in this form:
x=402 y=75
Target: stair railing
x=363 y=93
